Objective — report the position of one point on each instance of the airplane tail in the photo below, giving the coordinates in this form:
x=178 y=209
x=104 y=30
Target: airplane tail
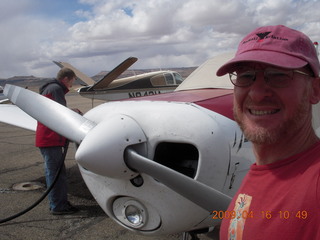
x=106 y=80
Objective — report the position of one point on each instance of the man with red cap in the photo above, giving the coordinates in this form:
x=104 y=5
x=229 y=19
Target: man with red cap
x=275 y=74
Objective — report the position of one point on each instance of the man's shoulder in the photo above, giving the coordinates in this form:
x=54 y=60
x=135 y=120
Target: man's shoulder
x=51 y=86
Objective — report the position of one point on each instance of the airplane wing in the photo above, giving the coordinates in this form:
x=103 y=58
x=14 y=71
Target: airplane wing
x=13 y=115
x=80 y=75
x=112 y=75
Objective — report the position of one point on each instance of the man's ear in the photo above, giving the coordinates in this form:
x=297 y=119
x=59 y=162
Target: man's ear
x=315 y=91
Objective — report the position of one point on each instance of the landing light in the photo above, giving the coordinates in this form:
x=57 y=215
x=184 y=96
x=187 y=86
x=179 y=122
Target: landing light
x=133 y=215
x=130 y=212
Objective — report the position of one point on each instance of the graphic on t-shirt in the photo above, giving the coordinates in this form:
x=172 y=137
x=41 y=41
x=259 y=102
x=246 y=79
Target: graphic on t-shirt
x=241 y=208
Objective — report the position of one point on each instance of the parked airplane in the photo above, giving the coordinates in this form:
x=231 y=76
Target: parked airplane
x=160 y=164
x=111 y=88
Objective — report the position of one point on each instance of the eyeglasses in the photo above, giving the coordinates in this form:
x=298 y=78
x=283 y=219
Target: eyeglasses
x=277 y=78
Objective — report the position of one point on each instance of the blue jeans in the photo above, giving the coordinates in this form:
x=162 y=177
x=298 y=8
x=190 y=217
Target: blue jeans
x=58 y=195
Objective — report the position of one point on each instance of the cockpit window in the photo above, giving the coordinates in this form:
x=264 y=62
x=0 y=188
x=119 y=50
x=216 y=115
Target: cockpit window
x=166 y=79
x=178 y=78
x=169 y=78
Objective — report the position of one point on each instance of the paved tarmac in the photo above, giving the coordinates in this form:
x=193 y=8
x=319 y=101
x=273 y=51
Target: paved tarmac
x=21 y=162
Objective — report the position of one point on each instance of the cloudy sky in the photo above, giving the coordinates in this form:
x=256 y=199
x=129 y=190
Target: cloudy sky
x=96 y=35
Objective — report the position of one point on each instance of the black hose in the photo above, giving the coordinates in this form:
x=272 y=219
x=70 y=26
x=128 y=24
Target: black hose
x=45 y=193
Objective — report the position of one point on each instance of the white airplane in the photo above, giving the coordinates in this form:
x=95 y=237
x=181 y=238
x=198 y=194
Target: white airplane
x=109 y=88
x=156 y=165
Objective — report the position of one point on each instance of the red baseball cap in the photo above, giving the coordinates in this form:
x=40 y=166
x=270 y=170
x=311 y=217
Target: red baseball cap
x=275 y=45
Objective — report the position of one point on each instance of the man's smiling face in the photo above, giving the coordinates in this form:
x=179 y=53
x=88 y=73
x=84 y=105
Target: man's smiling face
x=266 y=113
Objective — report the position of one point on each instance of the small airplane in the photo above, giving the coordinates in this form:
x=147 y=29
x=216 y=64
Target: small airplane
x=156 y=165
x=109 y=88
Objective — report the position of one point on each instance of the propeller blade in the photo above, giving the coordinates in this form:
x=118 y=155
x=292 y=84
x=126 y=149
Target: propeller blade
x=197 y=192
x=50 y=113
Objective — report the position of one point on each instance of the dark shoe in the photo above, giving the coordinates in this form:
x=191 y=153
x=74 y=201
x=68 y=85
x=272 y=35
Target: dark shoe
x=69 y=210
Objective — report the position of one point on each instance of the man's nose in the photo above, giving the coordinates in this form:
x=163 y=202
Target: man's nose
x=260 y=88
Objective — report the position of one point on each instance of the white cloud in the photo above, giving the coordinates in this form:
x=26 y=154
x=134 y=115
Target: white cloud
x=161 y=33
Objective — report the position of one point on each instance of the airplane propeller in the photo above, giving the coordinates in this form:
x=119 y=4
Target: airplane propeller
x=52 y=114
x=115 y=138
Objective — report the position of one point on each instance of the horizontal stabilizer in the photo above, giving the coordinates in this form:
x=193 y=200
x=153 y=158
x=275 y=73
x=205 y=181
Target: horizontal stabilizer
x=80 y=75
x=112 y=75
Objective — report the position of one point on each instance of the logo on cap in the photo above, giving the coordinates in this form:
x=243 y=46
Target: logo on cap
x=262 y=36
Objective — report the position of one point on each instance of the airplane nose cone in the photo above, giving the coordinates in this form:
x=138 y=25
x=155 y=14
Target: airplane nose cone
x=102 y=150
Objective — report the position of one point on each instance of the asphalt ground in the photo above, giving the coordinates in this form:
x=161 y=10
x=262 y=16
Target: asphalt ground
x=21 y=163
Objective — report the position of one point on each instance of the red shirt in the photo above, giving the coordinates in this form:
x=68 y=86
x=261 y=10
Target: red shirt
x=45 y=137
x=277 y=201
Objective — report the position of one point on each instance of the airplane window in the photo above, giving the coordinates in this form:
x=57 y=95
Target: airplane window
x=169 y=78
x=178 y=78
x=158 y=80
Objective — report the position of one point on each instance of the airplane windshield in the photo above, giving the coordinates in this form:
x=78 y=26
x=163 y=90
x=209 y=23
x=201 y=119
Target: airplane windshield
x=178 y=78
x=166 y=79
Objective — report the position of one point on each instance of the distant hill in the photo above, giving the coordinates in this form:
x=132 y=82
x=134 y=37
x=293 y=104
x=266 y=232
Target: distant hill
x=24 y=81
x=32 y=81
